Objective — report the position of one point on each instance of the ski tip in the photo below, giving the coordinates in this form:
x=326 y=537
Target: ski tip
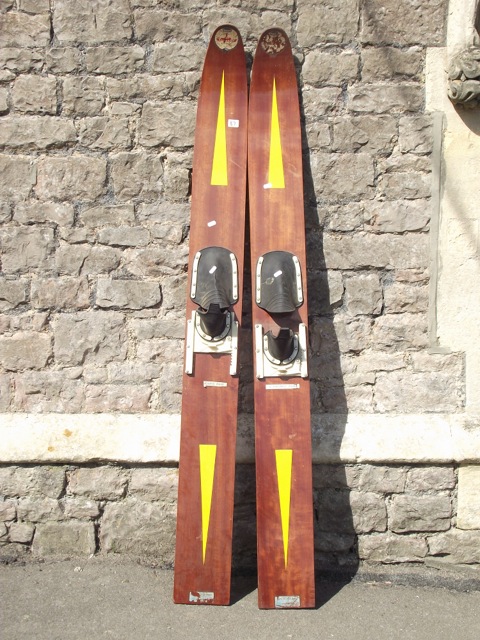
x=273 y=41
x=226 y=37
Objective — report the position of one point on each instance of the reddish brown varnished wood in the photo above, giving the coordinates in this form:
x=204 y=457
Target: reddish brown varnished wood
x=209 y=415
x=282 y=417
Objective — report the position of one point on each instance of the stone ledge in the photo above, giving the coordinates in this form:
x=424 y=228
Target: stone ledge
x=396 y=439
x=82 y=438
x=154 y=439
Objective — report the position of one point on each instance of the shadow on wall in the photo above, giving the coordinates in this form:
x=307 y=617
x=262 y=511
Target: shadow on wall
x=336 y=555
x=336 y=552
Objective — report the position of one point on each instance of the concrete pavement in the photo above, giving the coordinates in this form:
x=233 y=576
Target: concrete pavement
x=120 y=599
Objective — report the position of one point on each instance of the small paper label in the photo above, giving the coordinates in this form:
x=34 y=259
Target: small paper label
x=201 y=596
x=212 y=223
x=213 y=269
x=287 y=602
x=277 y=273
x=214 y=383
x=282 y=386
x=233 y=124
x=268 y=185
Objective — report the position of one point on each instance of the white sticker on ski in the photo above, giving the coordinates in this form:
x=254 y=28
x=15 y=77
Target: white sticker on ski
x=281 y=386
x=201 y=596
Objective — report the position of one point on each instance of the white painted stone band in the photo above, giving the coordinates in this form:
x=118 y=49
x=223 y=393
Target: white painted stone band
x=392 y=439
x=82 y=438
x=140 y=439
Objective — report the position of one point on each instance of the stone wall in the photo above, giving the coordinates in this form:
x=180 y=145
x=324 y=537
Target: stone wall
x=372 y=513
x=96 y=145
x=97 y=116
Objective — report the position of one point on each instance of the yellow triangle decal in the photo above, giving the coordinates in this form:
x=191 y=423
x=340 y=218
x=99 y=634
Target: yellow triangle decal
x=208 y=454
x=284 y=476
x=219 y=165
x=276 y=178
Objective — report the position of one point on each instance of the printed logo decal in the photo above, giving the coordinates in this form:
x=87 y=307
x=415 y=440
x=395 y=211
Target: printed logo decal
x=226 y=38
x=273 y=41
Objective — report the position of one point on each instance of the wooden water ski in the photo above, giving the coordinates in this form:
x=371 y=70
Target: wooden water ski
x=282 y=393
x=210 y=382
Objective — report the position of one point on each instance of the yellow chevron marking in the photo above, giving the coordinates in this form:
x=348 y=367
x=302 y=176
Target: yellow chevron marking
x=276 y=178
x=208 y=454
x=284 y=477
x=219 y=165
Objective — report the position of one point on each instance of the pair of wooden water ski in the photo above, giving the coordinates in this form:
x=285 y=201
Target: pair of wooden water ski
x=271 y=124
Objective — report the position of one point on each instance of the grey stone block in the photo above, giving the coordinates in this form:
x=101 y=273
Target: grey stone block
x=410 y=513
x=64 y=538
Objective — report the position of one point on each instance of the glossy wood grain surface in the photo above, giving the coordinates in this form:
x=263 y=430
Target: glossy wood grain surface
x=209 y=414
x=282 y=416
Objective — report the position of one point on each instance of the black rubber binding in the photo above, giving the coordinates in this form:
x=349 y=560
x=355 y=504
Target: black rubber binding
x=214 y=289
x=278 y=283
x=281 y=346
x=214 y=278
x=213 y=320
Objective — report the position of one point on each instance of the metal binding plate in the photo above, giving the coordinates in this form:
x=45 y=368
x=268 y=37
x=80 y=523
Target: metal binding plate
x=198 y=342
x=268 y=367
x=258 y=280
x=298 y=274
x=193 y=289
